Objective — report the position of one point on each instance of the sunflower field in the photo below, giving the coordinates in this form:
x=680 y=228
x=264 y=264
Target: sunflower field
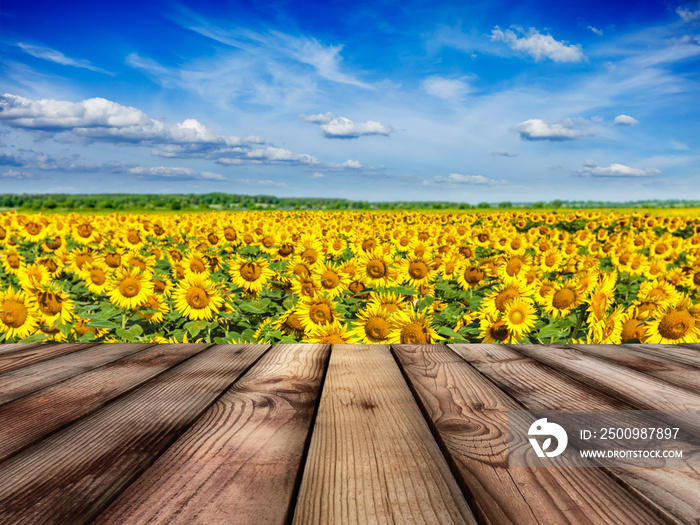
x=350 y=277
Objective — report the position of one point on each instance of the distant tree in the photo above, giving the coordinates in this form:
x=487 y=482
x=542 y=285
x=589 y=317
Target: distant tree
x=556 y=203
x=483 y=205
x=175 y=205
x=538 y=204
x=505 y=204
x=50 y=204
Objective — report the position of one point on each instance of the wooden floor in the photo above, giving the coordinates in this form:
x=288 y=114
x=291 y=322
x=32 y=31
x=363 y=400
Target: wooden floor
x=308 y=434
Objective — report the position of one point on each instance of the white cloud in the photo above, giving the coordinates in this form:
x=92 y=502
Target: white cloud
x=454 y=179
x=261 y=182
x=590 y=169
x=321 y=118
x=343 y=128
x=281 y=155
x=353 y=164
x=537 y=129
x=316 y=175
x=596 y=30
x=450 y=89
x=505 y=153
x=101 y=119
x=687 y=15
x=52 y=55
x=163 y=172
x=16 y=174
x=625 y=120
x=539 y=46
x=8 y=159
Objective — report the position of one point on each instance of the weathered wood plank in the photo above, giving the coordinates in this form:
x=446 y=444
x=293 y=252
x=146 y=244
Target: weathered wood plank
x=240 y=462
x=23 y=381
x=638 y=389
x=470 y=416
x=372 y=458
x=11 y=348
x=695 y=346
x=683 y=354
x=30 y=418
x=674 y=491
x=37 y=353
x=680 y=374
x=73 y=475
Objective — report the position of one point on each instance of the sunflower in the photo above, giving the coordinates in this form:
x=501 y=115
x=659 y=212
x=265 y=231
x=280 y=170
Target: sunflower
x=495 y=301
x=411 y=327
x=416 y=271
x=602 y=298
x=469 y=275
x=676 y=323
x=154 y=302
x=250 y=275
x=660 y=292
x=290 y=323
x=78 y=258
x=331 y=280
x=129 y=288
x=607 y=331
x=162 y=285
x=520 y=317
x=53 y=304
x=84 y=233
x=336 y=246
x=633 y=328
x=196 y=298
x=373 y=325
x=196 y=263
x=374 y=268
x=514 y=266
x=390 y=302
x=316 y=311
x=18 y=315
x=494 y=329
x=33 y=275
x=12 y=261
x=563 y=298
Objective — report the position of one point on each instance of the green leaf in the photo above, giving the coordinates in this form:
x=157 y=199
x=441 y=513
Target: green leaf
x=34 y=338
x=95 y=322
x=448 y=332
x=403 y=290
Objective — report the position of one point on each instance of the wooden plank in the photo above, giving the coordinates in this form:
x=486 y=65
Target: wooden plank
x=23 y=381
x=240 y=462
x=681 y=374
x=11 y=348
x=638 y=389
x=36 y=354
x=372 y=458
x=675 y=492
x=683 y=354
x=30 y=418
x=73 y=475
x=694 y=346
x=470 y=416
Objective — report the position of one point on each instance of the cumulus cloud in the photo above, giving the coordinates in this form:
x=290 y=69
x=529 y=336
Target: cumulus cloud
x=625 y=120
x=343 y=128
x=102 y=119
x=687 y=15
x=596 y=30
x=8 y=159
x=613 y=171
x=52 y=55
x=450 y=89
x=455 y=179
x=537 y=129
x=173 y=173
x=539 y=46
x=505 y=153
x=316 y=175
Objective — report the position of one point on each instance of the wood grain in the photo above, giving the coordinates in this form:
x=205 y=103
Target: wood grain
x=470 y=414
x=73 y=475
x=37 y=353
x=372 y=458
x=678 y=373
x=29 y=379
x=684 y=354
x=240 y=462
x=639 y=390
x=30 y=418
x=11 y=348
x=675 y=492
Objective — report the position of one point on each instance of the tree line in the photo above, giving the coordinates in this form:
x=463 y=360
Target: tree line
x=232 y=201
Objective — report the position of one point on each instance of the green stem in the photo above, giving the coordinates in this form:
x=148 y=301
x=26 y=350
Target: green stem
x=579 y=322
x=123 y=319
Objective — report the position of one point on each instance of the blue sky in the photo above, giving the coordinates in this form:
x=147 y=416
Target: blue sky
x=377 y=100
